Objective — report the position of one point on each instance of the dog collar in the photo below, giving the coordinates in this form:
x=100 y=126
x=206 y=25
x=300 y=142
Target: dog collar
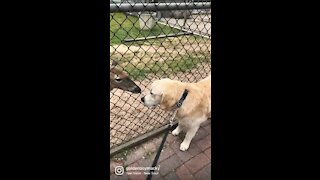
x=183 y=97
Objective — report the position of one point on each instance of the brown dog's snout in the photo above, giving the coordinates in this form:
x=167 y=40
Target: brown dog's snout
x=142 y=99
x=136 y=90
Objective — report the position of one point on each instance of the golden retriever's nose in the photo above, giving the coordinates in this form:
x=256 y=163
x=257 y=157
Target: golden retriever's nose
x=142 y=99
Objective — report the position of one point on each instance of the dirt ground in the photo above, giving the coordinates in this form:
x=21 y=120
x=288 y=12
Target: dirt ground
x=129 y=117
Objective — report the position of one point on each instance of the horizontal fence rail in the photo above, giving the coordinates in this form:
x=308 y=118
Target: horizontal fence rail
x=127 y=7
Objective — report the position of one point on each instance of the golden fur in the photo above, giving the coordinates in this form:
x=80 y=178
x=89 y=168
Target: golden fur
x=195 y=109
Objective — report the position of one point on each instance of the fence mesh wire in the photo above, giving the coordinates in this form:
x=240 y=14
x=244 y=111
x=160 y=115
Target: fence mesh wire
x=148 y=46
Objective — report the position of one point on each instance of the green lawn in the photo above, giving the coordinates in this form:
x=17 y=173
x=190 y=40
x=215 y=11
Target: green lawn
x=124 y=27
x=171 y=66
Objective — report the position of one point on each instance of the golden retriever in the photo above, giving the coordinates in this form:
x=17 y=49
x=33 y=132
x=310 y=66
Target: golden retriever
x=195 y=109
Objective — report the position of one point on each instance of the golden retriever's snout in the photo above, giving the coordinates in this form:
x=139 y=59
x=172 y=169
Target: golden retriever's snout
x=142 y=99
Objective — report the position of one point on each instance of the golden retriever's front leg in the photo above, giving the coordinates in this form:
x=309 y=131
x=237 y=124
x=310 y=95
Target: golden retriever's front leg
x=187 y=140
x=177 y=130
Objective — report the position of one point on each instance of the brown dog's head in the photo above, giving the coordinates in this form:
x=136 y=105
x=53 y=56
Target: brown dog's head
x=164 y=92
x=120 y=79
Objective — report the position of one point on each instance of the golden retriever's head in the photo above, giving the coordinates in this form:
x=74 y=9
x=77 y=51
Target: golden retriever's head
x=164 y=92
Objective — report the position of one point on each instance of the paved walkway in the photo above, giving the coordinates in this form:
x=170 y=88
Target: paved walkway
x=195 y=163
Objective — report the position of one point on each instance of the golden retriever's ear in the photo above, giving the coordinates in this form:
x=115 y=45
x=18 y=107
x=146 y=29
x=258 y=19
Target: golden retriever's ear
x=168 y=99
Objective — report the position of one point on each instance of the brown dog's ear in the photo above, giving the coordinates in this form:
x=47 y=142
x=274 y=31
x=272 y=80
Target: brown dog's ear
x=114 y=63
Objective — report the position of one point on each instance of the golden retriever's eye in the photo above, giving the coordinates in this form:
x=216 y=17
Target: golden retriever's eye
x=151 y=93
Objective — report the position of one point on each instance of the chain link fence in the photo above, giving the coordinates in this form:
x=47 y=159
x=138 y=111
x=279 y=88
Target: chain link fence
x=150 y=41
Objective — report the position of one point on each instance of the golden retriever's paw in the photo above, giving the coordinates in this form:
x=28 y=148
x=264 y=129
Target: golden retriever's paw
x=175 y=132
x=184 y=146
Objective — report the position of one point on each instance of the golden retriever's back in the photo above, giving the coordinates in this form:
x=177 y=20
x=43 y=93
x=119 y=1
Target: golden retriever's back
x=205 y=85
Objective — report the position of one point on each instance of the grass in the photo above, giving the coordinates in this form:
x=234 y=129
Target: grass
x=124 y=26
x=171 y=66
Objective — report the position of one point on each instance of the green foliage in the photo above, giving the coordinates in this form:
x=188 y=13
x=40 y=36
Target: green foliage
x=168 y=67
x=124 y=26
